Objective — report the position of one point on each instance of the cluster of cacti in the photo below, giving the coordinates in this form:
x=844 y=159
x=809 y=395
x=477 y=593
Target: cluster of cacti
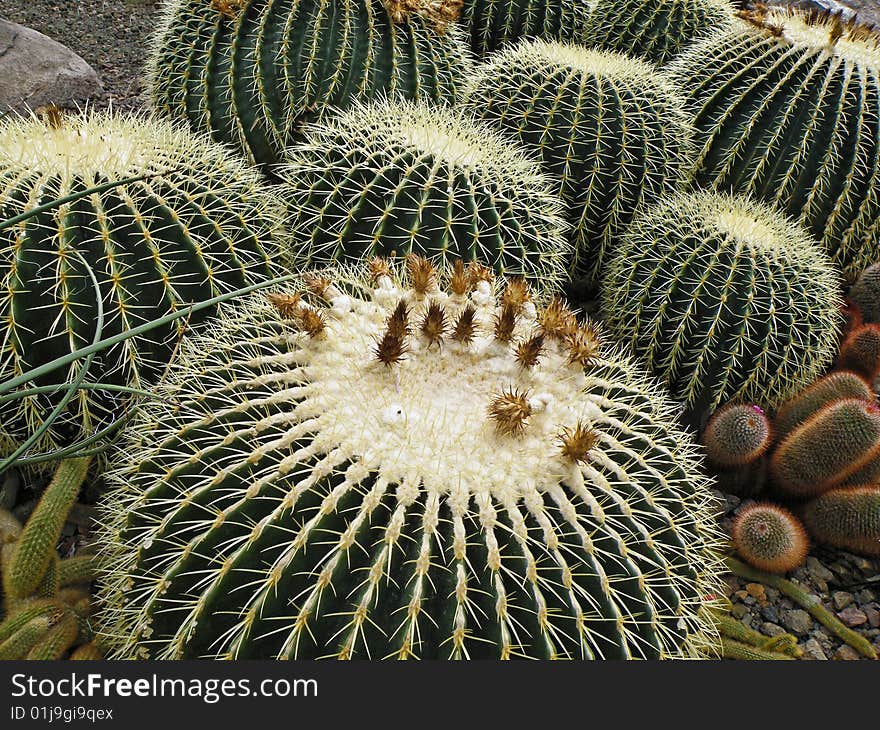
x=251 y=73
x=655 y=30
x=193 y=223
x=385 y=469
x=492 y=24
x=608 y=128
x=401 y=177
x=724 y=299
x=785 y=104
x=770 y=537
x=47 y=607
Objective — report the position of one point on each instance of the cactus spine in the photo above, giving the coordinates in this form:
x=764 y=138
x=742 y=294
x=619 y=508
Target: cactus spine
x=492 y=24
x=770 y=538
x=403 y=177
x=837 y=443
x=737 y=435
x=784 y=105
x=656 y=30
x=724 y=299
x=517 y=490
x=609 y=128
x=252 y=74
x=197 y=226
x=847 y=518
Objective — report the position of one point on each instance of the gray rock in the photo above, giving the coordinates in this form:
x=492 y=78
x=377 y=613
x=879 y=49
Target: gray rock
x=812 y=650
x=769 y=613
x=873 y=614
x=841 y=599
x=797 y=621
x=846 y=653
x=865 y=596
x=36 y=71
x=817 y=570
x=738 y=610
x=771 y=629
x=852 y=616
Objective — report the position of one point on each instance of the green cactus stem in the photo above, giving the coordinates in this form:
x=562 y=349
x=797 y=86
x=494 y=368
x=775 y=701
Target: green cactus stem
x=847 y=518
x=22 y=641
x=87 y=652
x=76 y=570
x=55 y=642
x=829 y=388
x=808 y=602
x=732 y=649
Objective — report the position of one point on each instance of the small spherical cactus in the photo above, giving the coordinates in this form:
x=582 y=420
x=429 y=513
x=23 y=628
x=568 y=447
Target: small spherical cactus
x=847 y=518
x=724 y=298
x=736 y=435
x=838 y=443
x=200 y=225
x=611 y=129
x=865 y=293
x=860 y=352
x=402 y=471
x=401 y=177
x=492 y=24
x=829 y=388
x=769 y=537
x=656 y=30
x=784 y=104
x=251 y=73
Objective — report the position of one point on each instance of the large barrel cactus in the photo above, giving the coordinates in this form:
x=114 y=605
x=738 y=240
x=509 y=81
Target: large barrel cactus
x=785 y=107
x=611 y=129
x=656 y=30
x=724 y=298
x=196 y=227
x=492 y=24
x=407 y=472
x=253 y=71
x=404 y=177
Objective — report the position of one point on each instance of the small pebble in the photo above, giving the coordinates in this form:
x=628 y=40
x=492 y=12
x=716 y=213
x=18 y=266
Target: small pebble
x=841 y=599
x=738 y=611
x=817 y=570
x=756 y=590
x=797 y=621
x=812 y=650
x=852 y=616
x=769 y=613
x=873 y=614
x=771 y=629
x=741 y=595
x=846 y=653
x=865 y=596
x=772 y=594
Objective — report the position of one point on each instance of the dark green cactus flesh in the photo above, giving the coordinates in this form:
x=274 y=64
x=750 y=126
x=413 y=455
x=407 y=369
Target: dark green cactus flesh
x=724 y=299
x=656 y=30
x=827 y=389
x=785 y=108
x=769 y=537
x=610 y=129
x=838 y=442
x=200 y=227
x=492 y=24
x=252 y=74
x=847 y=518
x=405 y=177
x=303 y=499
x=736 y=435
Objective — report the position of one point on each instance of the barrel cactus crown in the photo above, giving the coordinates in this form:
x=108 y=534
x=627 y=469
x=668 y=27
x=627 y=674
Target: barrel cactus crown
x=610 y=128
x=399 y=176
x=785 y=107
x=492 y=24
x=251 y=72
x=195 y=229
x=407 y=471
x=656 y=30
x=724 y=298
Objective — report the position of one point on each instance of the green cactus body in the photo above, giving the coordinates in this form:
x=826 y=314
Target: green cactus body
x=865 y=293
x=769 y=537
x=724 y=299
x=22 y=641
x=847 y=518
x=496 y=493
x=860 y=352
x=403 y=177
x=26 y=612
x=197 y=229
x=55 y=642
x=655 y=30
x=76 y=570
x=736 y=435
x=609 y=128
x=87 y=652
x=827 y=389
x=838 y=441
x=492 y=24
x=785 y=109
x=253 y=75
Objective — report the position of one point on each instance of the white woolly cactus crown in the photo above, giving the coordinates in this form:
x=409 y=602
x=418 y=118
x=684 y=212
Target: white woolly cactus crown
x=397 y=470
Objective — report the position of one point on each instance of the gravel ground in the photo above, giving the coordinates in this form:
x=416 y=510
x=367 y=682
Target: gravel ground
x=112 y=35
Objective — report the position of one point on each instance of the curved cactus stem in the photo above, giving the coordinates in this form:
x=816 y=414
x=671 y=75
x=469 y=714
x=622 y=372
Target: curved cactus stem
x=48 y=585
x=730 y=628
x=76 y=570
x=731 y=649
x=808 y=601
x=34 y=549
x=56 y=640
x=22 y=641
x=87 y=652
x=26 y=612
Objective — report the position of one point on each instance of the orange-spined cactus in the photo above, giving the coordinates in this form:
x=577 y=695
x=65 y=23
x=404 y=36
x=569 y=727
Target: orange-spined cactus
x=736 y=435
x=832 y=387
x=847 y=518
x=860 y=351
x=769 y=537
